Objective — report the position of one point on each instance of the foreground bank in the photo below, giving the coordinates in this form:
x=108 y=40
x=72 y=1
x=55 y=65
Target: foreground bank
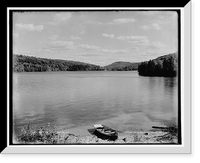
x=48 y=135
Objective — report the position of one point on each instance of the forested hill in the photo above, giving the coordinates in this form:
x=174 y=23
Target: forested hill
x=166 y=65
x=23 y=63
x=122 y=66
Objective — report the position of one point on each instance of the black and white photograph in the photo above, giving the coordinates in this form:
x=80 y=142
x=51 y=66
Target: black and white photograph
x=98 y=80
x=95 y=77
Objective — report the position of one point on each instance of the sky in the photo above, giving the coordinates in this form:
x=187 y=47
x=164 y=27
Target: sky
x=96 y=37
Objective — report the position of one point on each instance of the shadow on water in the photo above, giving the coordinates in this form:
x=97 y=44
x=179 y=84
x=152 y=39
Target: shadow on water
x=170 y=82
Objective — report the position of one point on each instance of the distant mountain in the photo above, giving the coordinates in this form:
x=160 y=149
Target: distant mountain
x=122 y=66
x=23 y=63
x=166 y=65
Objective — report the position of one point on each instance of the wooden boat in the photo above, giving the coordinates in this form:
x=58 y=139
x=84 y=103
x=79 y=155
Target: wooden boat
x=105 y=132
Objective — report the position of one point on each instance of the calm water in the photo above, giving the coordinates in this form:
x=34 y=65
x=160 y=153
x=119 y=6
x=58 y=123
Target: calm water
x=76 y=100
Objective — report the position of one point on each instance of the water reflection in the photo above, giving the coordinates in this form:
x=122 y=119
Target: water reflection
x=160 y=99
x=170 y=82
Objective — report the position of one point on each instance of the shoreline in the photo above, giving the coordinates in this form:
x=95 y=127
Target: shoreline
x=50 y=136
x=134 y=137
x=65 y=138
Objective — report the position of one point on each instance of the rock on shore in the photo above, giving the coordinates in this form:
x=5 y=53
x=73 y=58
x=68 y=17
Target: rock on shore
x=133 y=138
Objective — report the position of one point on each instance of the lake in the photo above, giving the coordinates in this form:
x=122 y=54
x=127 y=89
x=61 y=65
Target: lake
x=74 y=101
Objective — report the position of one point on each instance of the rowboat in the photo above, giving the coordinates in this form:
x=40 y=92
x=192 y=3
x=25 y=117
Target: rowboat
x=105 y=132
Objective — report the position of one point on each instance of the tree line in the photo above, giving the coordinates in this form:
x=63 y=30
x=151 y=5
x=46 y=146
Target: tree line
x=23 y=63
x=162 y=66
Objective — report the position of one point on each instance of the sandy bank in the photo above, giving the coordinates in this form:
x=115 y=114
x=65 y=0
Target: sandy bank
x=123 y=138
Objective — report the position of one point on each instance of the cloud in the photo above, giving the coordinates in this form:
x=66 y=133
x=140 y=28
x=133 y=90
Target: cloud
x=82 y=32
x=55 y=46
x=142 y=42
x=127 y=38
x=61 y=44
x=158 y=18
x=122 y=21
x=75 y=38
x=60 y=18
x=155 y=45
x=99 y=50
x=156 y=26
x=113 y=22
x=135 y=48
x=134 y=39
x=94 y=22
x=145 y=27
x=86 y=54
x=149 y=13
x=54 y=37
x=155 y=52
x=113 y=51
x=30 y=27
x=108 y=35
x=89 y=47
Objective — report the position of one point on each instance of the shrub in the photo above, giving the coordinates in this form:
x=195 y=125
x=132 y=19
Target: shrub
x=44 y=135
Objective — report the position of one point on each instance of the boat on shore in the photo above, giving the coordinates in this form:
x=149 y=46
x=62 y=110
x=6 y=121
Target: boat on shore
x=105 y=132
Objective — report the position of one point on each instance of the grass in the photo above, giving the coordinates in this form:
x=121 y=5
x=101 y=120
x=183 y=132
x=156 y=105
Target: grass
x=44 y=135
